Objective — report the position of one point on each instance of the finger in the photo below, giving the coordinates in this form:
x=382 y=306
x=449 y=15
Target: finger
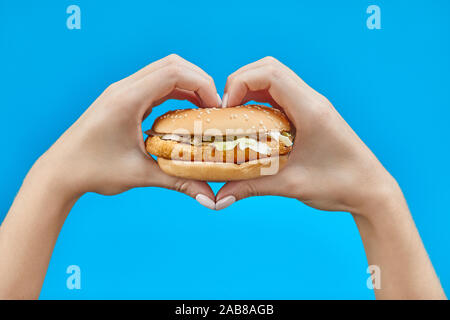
x=247 y=67
x=238 y=190
x=177 y=94
x=268 y=61
x=180 y=94
x=282 y=89
x=198 y=190
x=239 y=85
x=259 y=83
x=259 y=63
x=262 y=95
x=159 y=84
x=172 y=59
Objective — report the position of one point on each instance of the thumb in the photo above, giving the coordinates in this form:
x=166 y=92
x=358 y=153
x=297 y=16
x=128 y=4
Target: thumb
x=199 y=190
x=238 y=190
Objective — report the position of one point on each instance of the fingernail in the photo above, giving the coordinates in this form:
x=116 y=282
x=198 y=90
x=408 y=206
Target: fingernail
x=205 y=201
x=225 y=100
x=220 y=100
x=225 y=202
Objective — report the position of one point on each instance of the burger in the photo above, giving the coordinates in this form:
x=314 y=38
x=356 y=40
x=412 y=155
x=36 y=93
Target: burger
x=221 y=144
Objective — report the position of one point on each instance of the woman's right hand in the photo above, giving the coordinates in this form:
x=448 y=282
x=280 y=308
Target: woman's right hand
x=104 y=152
x=330 y=168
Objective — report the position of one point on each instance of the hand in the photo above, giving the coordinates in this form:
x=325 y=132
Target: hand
x=329 y=168
x=103 y=151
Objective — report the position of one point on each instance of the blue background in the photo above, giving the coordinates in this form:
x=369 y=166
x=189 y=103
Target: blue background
x=391 y=85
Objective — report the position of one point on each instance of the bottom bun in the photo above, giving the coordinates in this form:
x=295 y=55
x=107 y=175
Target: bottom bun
x=220 y=172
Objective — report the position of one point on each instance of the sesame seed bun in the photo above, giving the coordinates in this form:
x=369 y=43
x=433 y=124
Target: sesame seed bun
x=220 y=172
x=246 y=119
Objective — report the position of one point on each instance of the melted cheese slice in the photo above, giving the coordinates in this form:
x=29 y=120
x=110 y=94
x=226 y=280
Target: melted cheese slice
x=243 y=144
x=279 y=137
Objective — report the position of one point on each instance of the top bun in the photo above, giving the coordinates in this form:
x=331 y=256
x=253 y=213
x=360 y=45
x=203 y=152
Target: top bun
x=245 y=119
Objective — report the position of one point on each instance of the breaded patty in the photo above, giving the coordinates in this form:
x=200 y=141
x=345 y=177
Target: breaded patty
x=174 y=150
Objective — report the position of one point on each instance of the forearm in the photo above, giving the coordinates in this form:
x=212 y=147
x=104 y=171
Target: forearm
x=29 y=233
x=392 y=243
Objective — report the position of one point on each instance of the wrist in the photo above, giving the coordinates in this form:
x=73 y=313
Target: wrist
x=384 y=207
x=48 y=176
x=386 y=223
x=43 y=200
